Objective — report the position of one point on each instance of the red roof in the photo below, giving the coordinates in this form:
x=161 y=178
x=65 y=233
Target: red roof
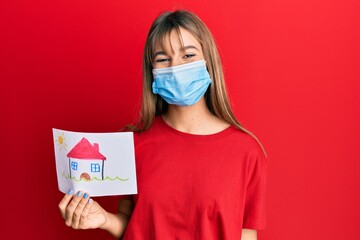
x=85 y=150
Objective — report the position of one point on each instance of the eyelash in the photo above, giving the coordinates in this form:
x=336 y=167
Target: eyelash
x=162 y=60
x=188 y=55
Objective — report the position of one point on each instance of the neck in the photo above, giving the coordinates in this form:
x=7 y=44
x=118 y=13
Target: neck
x=195 y=119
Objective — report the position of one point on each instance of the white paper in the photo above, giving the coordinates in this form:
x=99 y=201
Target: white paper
x=100 y=164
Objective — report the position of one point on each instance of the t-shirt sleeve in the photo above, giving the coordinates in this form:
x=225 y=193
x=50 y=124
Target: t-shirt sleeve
x=254 y=209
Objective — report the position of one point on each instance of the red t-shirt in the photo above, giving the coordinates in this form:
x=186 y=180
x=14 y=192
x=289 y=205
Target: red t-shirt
x=197 y=186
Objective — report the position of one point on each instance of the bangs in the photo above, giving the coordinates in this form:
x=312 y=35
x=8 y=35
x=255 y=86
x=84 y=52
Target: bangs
x=161 y=39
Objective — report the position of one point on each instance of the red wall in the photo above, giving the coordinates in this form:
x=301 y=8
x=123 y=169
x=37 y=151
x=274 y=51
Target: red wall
x=292 y=69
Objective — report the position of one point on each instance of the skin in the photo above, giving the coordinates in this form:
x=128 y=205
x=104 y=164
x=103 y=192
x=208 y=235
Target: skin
x=79 y=212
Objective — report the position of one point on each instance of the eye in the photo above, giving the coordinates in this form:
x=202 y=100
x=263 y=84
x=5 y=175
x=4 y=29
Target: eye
x=162 y=60
x=189 y=55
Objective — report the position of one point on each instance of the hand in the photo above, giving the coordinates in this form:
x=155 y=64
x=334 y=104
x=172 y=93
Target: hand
x=82 y=212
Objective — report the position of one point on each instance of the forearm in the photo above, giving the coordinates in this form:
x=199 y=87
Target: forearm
x=116 y=224
x=248 y=234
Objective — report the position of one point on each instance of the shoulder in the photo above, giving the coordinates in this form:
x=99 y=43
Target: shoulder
x=248 y=143
x=246 y=139
x=152 y=133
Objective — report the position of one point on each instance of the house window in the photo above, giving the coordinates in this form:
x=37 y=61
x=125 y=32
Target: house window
x=74 y=166
x=95 y=167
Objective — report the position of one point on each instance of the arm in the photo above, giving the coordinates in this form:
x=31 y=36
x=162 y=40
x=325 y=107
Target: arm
x=81 y=212
x=248 y=234
x=117 y=223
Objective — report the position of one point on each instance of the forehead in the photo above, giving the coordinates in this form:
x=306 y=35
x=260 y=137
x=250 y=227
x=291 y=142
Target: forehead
x=175 y=41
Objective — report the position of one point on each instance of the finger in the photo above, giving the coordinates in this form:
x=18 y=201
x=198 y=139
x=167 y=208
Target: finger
x=64 y=202
x=85 y=213
x=79 y=210
x=71 y=207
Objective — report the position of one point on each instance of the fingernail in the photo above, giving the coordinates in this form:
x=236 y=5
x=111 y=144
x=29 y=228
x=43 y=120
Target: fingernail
x=86 y=195
x=79 y=193
x=70 y=192
x=90 y=201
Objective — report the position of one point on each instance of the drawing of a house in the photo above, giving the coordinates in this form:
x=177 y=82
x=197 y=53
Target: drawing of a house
x=86 y=161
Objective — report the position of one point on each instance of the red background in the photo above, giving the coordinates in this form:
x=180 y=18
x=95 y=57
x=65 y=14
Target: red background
x=292 y=70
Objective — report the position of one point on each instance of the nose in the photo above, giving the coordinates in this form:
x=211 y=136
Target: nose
x=175 y=62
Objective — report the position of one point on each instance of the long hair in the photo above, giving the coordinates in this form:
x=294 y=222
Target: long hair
x=215 y=96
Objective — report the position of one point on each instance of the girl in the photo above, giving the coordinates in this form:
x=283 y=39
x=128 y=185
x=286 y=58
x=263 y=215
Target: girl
x=200 y=174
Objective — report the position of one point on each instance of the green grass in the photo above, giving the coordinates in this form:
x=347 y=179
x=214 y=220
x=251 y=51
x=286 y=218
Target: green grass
x=94 y=178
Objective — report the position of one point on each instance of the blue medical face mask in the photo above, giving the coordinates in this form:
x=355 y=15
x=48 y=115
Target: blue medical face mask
x=182 y=85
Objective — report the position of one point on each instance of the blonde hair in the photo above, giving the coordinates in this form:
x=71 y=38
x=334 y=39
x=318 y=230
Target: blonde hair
x=215 y=96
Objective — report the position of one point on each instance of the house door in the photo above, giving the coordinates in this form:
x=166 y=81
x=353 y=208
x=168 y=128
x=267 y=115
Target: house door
x=85 y=176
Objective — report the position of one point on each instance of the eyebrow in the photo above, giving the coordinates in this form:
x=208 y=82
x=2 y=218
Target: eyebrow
x=182 y=49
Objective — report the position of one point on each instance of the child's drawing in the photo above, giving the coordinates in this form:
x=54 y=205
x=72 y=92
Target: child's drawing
x=85 y=161
x=98 y=163
x=60 y=141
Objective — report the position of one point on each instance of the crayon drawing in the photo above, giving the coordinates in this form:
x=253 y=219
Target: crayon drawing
x=86 y=161
x=60 y=141
x=99 y=163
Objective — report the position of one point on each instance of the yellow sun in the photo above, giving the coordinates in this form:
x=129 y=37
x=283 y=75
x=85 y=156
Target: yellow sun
x=60 y=140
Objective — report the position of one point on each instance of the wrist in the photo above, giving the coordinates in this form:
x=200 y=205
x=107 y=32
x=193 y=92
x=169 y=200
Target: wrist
x=115 y=224
x=107 y=222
